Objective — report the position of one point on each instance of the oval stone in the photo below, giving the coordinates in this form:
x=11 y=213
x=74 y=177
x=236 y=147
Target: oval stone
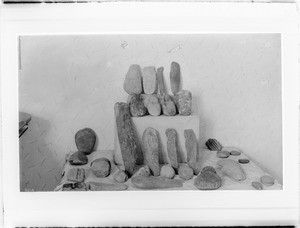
x=244 y=161
x=78 y=158
x=154 y=109
x=185 y=172
x=183 y=101
x=175 y=77
x=120 y=176
x=143 y=171
x=149 y=80
x=208 y=180
x=85 y=140
x=267 y=180
x=167 y=171
x=101 y=167
x=257 y=185
x=133 y=80
x=223 y=154
x=235 y=153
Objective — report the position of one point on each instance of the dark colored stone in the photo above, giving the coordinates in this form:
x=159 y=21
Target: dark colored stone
x=120 y=176
x=208 y=180
x=137 y=107
x=160 y=80
x=213 y=144
x=76 y=175
x=267 y=180
x=167 y=171
x=183 y=102
x=85 y=140
x=150 y=140
x=244 y=161
x=172 y=147
x=155 y=182
x=235 y=153
x=77 y=186
x=191 y=145
x=126 y=137
x=175 y=77
x=257 y=185
x=223 y=154
x=185 y=172
x=133 y=80
x=78 y=158
x=96 y=186
x=101 y=167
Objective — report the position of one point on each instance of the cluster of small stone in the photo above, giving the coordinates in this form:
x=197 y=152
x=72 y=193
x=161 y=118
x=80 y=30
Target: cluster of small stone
x=147 y=93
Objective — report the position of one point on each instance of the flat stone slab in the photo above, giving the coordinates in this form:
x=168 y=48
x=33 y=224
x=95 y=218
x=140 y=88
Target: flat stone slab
x=160 y=80
x=96 y=186
x=155 y=182
x=208 y=179
x=235 y=153
x=244 y=161
x=76 y=175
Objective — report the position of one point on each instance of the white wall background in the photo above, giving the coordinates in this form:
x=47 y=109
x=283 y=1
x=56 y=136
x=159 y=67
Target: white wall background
x=70 y=82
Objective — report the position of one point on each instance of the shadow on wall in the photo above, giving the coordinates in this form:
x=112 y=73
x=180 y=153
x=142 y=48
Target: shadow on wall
x=40 y=167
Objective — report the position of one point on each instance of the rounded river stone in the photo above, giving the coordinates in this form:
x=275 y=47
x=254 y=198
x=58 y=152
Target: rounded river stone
x=185 y=172
x=78 y=158
x=85 y=140
x=208 y=180
x=154 y=109
x=235 y=153
x=167 y=171
x=133 y=80
x=160 y=80
x=101 y=167
x=267 y=180
x=257 y=185
x=223 y=154
x=244 y=161
x=120 y=176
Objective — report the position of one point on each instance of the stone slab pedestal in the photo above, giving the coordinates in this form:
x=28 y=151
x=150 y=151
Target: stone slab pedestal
x=161 y=123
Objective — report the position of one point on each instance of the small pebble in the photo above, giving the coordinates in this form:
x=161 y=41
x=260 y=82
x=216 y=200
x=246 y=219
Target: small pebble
x=257 y=185
x=235 y=153
x=267 y=180
x=244 y=161
x=223 y=154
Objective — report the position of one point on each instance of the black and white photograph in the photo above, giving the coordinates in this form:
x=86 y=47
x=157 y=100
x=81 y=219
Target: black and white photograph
x=149 y=112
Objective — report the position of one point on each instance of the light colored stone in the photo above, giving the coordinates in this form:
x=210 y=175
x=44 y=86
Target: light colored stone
x=183 y=102
x=137 y=107
x=133 y=80
x=232 y=169
x=126 y=137
x=120 y=176
x=257 y=185
x=154 y=109
x=155 y=182
x=150 y=140
x=175 y=77
x=85 y=140
x=244 y=161
x=167 y=171
x=169 y=108
x=191 y=145
x=267 y=180
x=149 y=80
x=185 y=172
x=223 y=154
x=160 y=80
x=101 y=167
x=208 y=180
x=172 y=147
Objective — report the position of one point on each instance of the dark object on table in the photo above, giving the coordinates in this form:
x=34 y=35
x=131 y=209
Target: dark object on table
x=85 y=140
x=24 y=119
x=213 y=144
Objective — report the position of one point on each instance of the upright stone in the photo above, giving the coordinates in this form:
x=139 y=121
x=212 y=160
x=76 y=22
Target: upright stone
x=169 y=108
x=149 y=80
x=85 y=140
x=191 y=146
x=183 y=101
x=175 y=77
x=150 y=140
x=126 y=136
x=153 y=105
x=133 y=80
x=160 y=80
x=172 y=147
x=137 y=107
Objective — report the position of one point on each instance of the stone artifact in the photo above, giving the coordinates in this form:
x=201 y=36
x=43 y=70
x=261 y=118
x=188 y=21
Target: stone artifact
x=244 y=161
x=151 y=149
x=160 y=80
x=155 y=182
x=267 y=180
x=172 y=147
x=175 y=77
x=257 y=185
x=183 y=101
x=133 y=80
x=232 y=169
x=149 y=80
x=223 y=154
x=153 y=106
x=149 y=98
x=78 y=158
x=167 y=171
x=101 y=167
x=120 y=176
x=126 y=136
x=185 y=172
x=208 y=179
x=191 y=145
x=213 y=144
x=136 y=105
x=96 y=186
x=76 y=175
x=235 y=153
x=78 y=186
x=169 y=108
x=143 y=171
x=85 y=140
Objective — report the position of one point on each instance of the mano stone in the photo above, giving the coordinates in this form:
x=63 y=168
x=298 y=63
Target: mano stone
x=101 y=167
x=183 y=101
x=153 y=105
x=191 y=145
x=126 y=136
x=137 y=107
x=172 y=147
x=85 y=140
x=160 y=80
x=133 y=80
x=232 y=169
x=151 y=150
x=175 y=77
x=155 y=182
x=149 y=80
x=78 y=158
x=169 y=108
